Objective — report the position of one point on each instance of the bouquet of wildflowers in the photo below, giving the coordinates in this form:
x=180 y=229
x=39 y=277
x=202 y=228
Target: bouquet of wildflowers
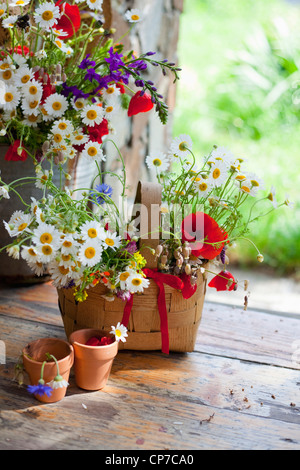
x=62 y=79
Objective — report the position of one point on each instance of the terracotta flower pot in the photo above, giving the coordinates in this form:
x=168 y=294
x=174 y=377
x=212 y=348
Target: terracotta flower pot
x=34 y=354
x=92 y=363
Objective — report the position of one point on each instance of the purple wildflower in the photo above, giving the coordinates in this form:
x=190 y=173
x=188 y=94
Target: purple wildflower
x=92 y=75
x=104 y=190
x=131 y=247
x=222 y=255
x=115 y=60
x=123 y=295
x=85 y=63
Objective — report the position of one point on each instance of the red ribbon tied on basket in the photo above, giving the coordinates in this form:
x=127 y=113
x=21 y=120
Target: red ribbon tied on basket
x=181 y=283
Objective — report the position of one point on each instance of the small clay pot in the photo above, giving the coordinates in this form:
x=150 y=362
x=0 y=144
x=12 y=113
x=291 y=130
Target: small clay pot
x=34 y=354
x=92 y=363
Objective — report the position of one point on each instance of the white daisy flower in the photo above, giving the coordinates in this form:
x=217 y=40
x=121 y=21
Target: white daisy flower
x=111 y=240
x=256 y=181
x=46 y=252
x=30 y=107
x=92 y=151
x=68 y=51
x=79 y=103
x=32 y=120
x=60 y=44
x=46 y=234
x=67 y=261
x=58 y=382
x=92 y=114
x=112 y=91
x=7 y=75
x=57 y=136
x=137 y=283
x=21 y=224
x=95 y=4
x=3 y=9
x=68 y=245
x=37 y=267
x=9 y=22
x=8 y=115
x=46 y=15
x=42 y=178
x=11 y=98
x=272 y=197
x=219 y=173
x=90 y=253
x=112 y=108
x=19 y=59
x=203 y=186
x=133 y=16
x=32 y=90
x=159 y=162
x=4 y=192
x=79 y=138
x=19 y=3
x=92 y=230
x=122 y=278
x=56 y=105
x=41 y=54
x=60 y=275
x=23 y=75
x=59 y=32
x=181 y=145
x=13 y=251
x=245 y=186
x=120 y=332
x=29 y=254
x=221 y=154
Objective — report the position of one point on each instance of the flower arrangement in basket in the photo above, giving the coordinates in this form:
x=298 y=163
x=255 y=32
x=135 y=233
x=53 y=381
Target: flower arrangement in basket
x=144 y=268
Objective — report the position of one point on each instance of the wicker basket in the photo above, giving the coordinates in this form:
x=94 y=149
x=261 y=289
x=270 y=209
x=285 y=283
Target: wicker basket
x=144 y=327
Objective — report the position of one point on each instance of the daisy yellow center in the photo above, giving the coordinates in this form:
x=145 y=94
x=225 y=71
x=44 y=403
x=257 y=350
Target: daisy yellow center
x=203 y=187
x=91 y=114
x=109 y=242
x=183 y=145
x=66 y=257
x=58 y=42
x=216 y=173
x=90 y=252
x=4 y=66
x=240 y=177
x=31 y=252
x=33 y=90
x=1 y=12
x=22 y=227
x=63 y=270
x=20 y=2
x=44 y=179
x=124 y=276
x=33 y=104
x=57 y=138
x=62 y=126
x=254 y=183
x=79 y=137
x=135 y=17
x=67 y=244
x=157 y=162
x=79 y=104
x=46 y=237
x=47 y=15
x=118 y=333
x=92 y=233
x=110 y=90
x=136 y=281
x=7 y=74
x=47 y=250
x=92 y=151
x=109 y=109
x=8 y=97
x=56 y=105
x=246 y=189
x=32 y=118
x=25 y=78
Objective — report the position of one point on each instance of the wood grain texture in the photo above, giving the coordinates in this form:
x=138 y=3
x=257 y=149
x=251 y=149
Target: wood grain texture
x=238 y=390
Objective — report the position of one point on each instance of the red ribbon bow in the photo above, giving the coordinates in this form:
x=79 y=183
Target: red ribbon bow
x=180 y=283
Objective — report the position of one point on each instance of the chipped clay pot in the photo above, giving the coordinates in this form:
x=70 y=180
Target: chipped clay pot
x=92 y=363
x=34 y=354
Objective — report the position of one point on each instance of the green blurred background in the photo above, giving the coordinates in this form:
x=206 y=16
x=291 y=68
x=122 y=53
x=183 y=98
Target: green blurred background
x=240 y=88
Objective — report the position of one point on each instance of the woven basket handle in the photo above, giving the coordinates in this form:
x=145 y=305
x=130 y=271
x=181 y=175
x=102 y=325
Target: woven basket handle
x=148 y=196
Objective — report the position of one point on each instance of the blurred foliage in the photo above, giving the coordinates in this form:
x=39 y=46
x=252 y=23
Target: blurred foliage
x=239 y=88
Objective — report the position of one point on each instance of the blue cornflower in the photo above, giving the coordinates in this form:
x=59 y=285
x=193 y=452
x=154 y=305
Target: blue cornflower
x=40 y=389
x=105 y=190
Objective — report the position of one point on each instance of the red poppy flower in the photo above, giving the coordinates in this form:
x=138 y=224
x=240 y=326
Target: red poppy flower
x=200 y=230
x=70 y=19
x=223 y=281
x=12 y=153
x=98 y=131
x=139 y=104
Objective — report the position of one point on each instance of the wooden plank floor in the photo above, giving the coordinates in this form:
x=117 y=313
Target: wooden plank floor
x=238 y=390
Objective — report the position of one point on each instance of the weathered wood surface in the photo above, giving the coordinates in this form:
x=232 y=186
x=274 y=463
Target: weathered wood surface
x=238 y=390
